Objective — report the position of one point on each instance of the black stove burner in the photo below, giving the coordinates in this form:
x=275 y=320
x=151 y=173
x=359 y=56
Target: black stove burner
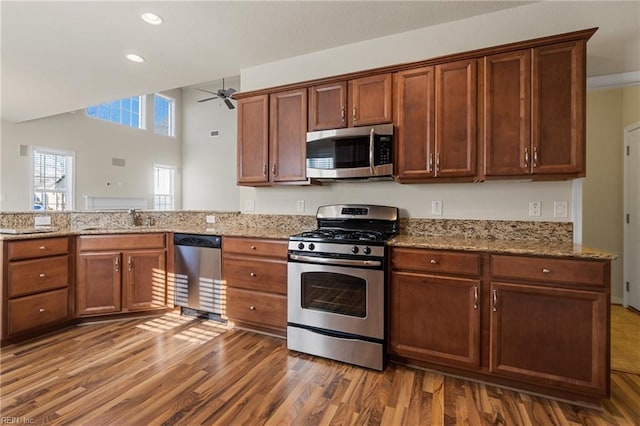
x=345 y=235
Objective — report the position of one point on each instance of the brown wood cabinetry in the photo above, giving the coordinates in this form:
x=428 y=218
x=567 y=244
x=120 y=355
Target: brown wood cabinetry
x=436 y=122
x=435 y=315
x=121 y=273
x=359 y=102
x=255 y=271
x=525 y=321
x=253 y=140
x=288 y=136
x=534 y=111
x=36 y=286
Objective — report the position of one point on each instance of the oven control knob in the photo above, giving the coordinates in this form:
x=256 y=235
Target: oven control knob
x=355 y=249
x=300 y=246
x=311 y=246
x=367 y=250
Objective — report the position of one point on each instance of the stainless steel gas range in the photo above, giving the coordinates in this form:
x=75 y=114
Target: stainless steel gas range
x=337 y=284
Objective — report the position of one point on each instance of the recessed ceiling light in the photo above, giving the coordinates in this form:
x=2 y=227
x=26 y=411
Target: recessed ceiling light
x=133 y=57
x=151 y=18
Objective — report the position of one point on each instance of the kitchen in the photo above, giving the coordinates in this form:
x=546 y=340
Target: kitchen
x=489 y=200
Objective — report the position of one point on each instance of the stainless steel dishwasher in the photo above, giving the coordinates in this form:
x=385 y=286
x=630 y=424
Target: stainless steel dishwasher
x=198 y=272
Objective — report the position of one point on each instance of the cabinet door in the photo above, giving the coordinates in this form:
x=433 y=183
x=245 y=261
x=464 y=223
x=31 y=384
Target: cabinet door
x=507 y=114
x=370 y=100
x=253 y=140
x=288 y=136
x=328 y=106
x=456 y=119
x=414 y=106
x=146 y=283
x=99 y=283
x=435 y=318
x=550 y=336
x=558 y=91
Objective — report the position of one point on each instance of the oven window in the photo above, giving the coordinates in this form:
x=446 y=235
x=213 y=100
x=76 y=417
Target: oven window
x=336 y=293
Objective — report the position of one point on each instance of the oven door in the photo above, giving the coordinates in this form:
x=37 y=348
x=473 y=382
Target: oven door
x=337 y=298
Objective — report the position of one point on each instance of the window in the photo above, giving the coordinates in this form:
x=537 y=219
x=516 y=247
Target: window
x=163 y=115
x=52 y=179
x=127 y=111
x=164 y=187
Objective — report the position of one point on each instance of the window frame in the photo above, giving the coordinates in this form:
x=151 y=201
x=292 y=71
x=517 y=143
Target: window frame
x=174 y=171
x=171 y=126
x=142 y=112
x=70 y=192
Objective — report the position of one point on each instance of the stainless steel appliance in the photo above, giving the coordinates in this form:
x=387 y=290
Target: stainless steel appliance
x=354 y=152
x=337 y=284
x=198 y=277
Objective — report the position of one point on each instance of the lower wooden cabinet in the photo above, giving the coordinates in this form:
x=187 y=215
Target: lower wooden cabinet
x=523 y=321
x=121 y=273
x=255 y=271
x=37 y=310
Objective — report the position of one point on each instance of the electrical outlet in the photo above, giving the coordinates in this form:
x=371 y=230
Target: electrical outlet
x=560 y=209
x=436 y=207
x=535 y=208
x=211 y=218
x=249 y=205
x=300 y=206
x=42 y=221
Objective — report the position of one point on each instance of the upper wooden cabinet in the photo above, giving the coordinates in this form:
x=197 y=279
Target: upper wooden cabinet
x=253 y=140
x=359 y=102
x=534 y=111
x=288 y=136
x=436 y=122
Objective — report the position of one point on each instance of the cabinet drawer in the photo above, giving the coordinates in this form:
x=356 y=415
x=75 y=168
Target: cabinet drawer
x=40 y=247
x=565 y=271
x=257 y=247
x=121 y=242
x=253 y=274
x=32 y=312
x=33 y=276
x=436 y=261
x=257 y=308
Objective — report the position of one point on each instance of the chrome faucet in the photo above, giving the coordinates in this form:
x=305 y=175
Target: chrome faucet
x=134 y=216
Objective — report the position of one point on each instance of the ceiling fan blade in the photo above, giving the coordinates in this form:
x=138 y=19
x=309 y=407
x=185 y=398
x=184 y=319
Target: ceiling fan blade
x=208 y=99
x=229 y=104
x=206 y=91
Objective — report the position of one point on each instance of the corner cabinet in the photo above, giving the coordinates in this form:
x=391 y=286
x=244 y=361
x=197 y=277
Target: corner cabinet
x=36 y=286
x=534 y=106
x=121 y=273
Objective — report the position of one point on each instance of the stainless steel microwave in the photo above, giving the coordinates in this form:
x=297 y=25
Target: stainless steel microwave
x=351 y=153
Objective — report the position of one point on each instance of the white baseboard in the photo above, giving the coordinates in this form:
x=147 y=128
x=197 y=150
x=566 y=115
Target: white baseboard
x=615 y=300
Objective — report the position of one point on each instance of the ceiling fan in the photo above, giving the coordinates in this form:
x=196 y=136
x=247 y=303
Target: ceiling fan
x=225 y=94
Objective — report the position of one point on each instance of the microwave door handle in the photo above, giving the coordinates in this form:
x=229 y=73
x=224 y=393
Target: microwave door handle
x=372 y=140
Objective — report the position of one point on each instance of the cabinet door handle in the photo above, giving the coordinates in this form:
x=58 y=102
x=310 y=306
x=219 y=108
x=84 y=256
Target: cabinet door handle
x=526 y=158
x=433 y=262
x=130 y=263
x=438 y=162
x=117 y=261
x=41 y=310
x=476 y=297
x=546 y=271
x=274 y=169
x=253 y=247
x=43 y=248
x=343 y=114
x=253 y=308
x=495 y=300
x=430 y=164
x=354 y=114
x=253 y=274
x=264 y=169
x=535 y=156
x=43 y=275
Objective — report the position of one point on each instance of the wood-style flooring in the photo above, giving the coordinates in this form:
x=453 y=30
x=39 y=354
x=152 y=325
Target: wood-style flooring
x=174 y=370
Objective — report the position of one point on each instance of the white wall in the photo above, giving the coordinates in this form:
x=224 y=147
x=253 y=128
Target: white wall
x=95 y=142
x=489 y=200
x=208 y=163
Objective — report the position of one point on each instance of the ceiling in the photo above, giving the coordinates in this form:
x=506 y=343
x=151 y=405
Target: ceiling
x=64 y=56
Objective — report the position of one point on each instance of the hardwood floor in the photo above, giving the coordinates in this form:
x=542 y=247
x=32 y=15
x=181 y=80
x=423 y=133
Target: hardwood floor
x=176 y=370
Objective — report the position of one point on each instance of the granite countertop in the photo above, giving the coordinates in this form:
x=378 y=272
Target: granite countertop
x=536 y=248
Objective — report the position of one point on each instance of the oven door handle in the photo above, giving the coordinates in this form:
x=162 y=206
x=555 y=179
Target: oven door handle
x=338 y=262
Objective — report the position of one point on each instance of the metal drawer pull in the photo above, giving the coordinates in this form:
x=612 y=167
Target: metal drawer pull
x=253 y=247
x=41 y=310
x=434 y=262
x=475 y=297
x=253 y=308
x=495 y=300
x=545 y=270
x=43 y=248
x=43 y=275
x=253 y=274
